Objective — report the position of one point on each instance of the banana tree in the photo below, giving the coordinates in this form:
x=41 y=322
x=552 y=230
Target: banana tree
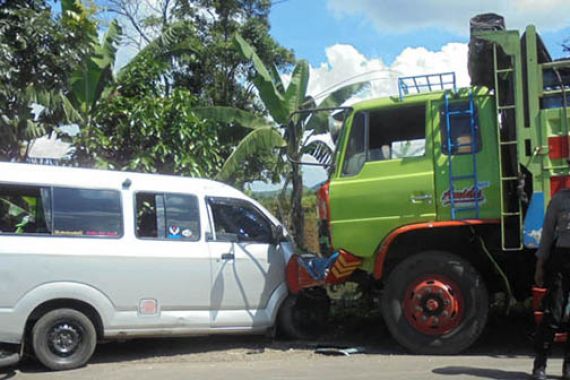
x=286 y=131
x=94 y=76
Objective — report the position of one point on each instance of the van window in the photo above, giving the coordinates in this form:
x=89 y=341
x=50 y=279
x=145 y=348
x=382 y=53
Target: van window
x=396 y=133
x=25 y=209
x=461 y=136
x=239 y=219
x=86 y=212
x=167 y=216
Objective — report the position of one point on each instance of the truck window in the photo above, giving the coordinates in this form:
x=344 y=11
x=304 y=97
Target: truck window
x=239 y=219
x=461 y=136
x=167 y=216
x=86 y=212
x=397 y=132
x=25 y=209
x=356 y=150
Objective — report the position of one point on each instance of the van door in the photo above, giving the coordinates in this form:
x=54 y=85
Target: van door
x=386 y=180
x=247 y=267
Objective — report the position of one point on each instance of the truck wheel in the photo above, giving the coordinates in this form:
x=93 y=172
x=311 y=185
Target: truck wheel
x=302 y=318
x=435 y=303
x=63 y=339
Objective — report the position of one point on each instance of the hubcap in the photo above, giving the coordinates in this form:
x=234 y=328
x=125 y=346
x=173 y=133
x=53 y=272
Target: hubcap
x=433 y=305
x=64 y=338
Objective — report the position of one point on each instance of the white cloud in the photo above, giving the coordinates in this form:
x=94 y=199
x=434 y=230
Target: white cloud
x=347 y=65
x=453 y=15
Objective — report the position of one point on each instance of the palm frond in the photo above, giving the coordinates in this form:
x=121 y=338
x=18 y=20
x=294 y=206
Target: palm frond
x=264 y=82
x=230 y=115
x=257 y=141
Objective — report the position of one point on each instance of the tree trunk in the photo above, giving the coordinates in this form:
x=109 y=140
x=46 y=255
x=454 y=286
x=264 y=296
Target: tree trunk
x=297 y=214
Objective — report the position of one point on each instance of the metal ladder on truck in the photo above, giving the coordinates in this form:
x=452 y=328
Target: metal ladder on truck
x=454 y=113
x=509 y=110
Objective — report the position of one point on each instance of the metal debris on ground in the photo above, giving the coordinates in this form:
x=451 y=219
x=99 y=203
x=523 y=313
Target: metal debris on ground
x=339 y=351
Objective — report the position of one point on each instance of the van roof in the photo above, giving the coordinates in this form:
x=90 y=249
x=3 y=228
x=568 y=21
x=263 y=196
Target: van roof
x=109 y=179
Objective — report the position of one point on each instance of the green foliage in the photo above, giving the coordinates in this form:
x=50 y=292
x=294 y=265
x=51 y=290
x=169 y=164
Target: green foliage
x=218 y=75
x=265 y=82
x=133 y=122
x=151 y=134
x=37 y=53
x=281 y=103
x=230 y=115
x=92 y=76
x=263 y=139
x=177 y=40
x=140 y=127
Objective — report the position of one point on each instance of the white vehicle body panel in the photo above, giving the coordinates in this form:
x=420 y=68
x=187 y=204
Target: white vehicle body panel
x=196 y=291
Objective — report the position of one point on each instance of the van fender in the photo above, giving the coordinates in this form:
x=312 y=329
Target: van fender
x=53 y=291
x=275 y=301
x=386 y=244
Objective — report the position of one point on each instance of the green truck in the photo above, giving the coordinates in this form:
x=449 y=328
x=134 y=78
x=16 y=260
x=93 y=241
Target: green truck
x=436 y=197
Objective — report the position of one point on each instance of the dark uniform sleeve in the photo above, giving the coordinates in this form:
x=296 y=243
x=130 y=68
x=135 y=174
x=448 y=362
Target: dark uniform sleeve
x=548 y=228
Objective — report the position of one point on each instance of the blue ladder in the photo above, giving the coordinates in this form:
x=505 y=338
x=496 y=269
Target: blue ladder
x=452 y=148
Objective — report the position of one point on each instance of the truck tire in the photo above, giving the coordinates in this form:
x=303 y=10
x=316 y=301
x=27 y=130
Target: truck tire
x=435 y=303
x=64 y=339
x=302 y=318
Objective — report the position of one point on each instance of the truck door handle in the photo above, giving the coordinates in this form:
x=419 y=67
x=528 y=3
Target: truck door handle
x=228 y=256
x=415 y=199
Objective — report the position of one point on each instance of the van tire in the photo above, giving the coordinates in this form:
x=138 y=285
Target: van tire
x=435 y=303
x=302 y=317
x=64 y=339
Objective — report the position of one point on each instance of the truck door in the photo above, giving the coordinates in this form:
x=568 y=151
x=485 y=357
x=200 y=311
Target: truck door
x=247 y=267
x=386 y=178
x=472 y=188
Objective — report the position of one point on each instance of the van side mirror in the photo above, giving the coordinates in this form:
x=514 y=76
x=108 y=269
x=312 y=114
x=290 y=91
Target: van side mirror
x=278 y=234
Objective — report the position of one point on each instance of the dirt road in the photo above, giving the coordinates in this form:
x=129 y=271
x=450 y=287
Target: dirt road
x=502 y=353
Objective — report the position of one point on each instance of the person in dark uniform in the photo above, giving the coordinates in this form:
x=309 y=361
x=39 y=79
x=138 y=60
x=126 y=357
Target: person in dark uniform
x=553 y=271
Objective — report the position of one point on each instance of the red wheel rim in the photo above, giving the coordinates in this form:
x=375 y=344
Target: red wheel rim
x=433 y=305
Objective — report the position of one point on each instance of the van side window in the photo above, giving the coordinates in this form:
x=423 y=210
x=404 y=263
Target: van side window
x=87 y=212
x=25 y=209
x=235 y=219
x=396 y=133
x=167 y=216
x=356 y=150
x=461 y=135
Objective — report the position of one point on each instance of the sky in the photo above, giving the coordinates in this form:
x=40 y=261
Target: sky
x=341 y=39
x=380 y=40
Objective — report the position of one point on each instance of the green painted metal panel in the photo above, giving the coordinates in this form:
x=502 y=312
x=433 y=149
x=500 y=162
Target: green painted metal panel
x=487 y=160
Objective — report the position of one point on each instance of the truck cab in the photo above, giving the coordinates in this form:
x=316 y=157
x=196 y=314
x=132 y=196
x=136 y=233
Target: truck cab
x=394 y=160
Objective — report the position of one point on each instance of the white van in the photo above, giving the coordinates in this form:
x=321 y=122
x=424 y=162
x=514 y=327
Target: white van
x=87 y=255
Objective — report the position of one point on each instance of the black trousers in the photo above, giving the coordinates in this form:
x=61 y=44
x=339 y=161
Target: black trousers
x=554 y=303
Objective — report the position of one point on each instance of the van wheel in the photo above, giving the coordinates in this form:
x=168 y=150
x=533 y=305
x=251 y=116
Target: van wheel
x=435 y=303
x=303 y=317
x=63 y=339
